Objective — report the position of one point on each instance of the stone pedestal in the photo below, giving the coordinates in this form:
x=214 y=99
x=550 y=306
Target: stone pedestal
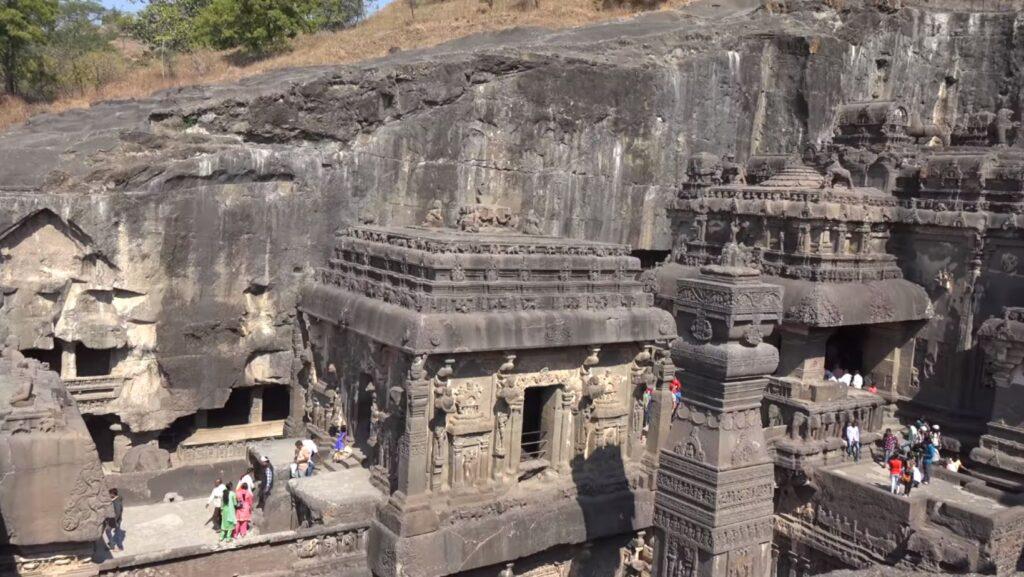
x=1000 y=454
x=715 y=480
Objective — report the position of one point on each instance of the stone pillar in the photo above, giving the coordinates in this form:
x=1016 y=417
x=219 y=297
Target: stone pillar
x=802 y=351
x=408 y=511
x=562 y=444
x=68 y=363
x=661 y=408
x=256 y=406
x=715 y=482
x=121 y=444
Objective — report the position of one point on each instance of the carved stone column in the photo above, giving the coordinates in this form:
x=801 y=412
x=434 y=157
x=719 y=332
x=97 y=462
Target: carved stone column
x=661 y=408
x=715 y=480
x=408 y=511
x=68 y=365
x=256 y=406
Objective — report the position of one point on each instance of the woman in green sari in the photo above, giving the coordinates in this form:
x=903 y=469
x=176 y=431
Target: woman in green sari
x=227 y=514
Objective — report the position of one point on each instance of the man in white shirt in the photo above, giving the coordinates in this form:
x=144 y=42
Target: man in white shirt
x=247 y=480
x=310 y=446
x=216 y=499
x=858 y=380
x=846 y=379
x=853 y=440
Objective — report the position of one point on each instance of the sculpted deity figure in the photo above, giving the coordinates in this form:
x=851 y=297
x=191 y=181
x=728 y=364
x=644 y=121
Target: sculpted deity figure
x=1004 y=123
x=531 y=224
x=435 y=216
x=500 y=433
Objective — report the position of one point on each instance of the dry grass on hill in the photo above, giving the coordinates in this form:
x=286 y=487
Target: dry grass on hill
x=392 y=26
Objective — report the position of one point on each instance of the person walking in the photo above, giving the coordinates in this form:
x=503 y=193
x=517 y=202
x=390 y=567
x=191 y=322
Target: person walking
x=310 y=446
x=243 y=514
x=931 y=454
x=853 y=440
x=216 y=496
x=112 y=525
x=907 y=478
x=895 y=472
x=889 y=443
x=229 y=502
x=266 y=480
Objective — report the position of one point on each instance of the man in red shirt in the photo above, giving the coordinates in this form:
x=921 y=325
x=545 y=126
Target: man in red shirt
x=895 y=469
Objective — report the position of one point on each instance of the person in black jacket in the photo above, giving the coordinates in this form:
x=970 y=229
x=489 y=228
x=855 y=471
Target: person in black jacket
x=112 y=525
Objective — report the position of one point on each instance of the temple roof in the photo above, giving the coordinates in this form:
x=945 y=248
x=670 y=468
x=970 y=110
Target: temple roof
x=441 y=290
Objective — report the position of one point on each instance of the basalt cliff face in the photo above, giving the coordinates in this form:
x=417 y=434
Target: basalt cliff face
x=176 y=231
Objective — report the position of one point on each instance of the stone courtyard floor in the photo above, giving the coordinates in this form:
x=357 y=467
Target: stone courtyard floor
x=163 y=526
x=941 y=490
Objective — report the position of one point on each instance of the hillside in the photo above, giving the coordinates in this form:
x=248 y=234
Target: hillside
x=392 y=27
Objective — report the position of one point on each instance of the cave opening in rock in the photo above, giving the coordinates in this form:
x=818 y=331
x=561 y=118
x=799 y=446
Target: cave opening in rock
x=650 y=258
x=276 y=401
x=93 y=362
x=234 y=412
x=102 y=436
x=51 y=357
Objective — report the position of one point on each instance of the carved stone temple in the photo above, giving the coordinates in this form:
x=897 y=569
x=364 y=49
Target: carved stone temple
x=499 y=389
x=602 y=301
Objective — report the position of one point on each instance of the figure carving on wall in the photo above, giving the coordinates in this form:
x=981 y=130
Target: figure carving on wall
x=816 y=427
x=799 y=419
x=500 y=433
x=470 y=456
x=377 y=418
x=774 y=415
x=733 y=172
x=531 y=224
x=440 y=455
x=435 y=216
x=835 y=174
x=1004 y=123
x=1008 y=262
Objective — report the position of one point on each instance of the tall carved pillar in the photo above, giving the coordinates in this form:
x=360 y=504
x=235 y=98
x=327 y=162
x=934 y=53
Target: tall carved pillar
x=408 y=511
x=256 y=406
x=715 y=480
x=661 y=408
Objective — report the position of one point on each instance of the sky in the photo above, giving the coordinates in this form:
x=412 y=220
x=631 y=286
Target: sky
x=135 y=5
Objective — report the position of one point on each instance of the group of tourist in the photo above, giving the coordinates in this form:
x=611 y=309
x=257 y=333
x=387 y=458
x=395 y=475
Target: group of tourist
x=854 y=379
x=910 y=463
x=233 y=504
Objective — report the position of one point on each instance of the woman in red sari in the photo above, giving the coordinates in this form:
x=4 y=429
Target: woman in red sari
x=243 y=515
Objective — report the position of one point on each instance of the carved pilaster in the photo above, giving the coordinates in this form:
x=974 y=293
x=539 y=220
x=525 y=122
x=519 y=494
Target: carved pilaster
x=715 y=478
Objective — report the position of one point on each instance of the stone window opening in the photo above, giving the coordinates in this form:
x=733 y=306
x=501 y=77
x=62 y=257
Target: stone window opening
x=234 y=412
x=93 y=362
x=538 y=418
x=276 y=402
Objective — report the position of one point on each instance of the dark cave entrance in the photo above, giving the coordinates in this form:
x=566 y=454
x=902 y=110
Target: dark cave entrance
x=51 y=357
x=276 y=402
x=845 y=350
x=234 y=412
x=102 y=436
x=92 y=362
x=650 y=258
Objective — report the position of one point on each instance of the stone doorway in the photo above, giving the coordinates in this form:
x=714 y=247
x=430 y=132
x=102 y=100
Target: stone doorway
x=539 y=406
x=845 y=349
